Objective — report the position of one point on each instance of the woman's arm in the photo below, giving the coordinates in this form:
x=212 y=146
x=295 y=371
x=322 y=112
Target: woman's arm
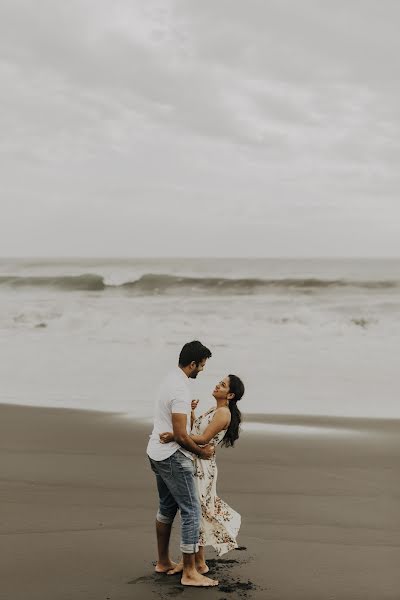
x=220 y=421
x=193 y=414
x=180 y=435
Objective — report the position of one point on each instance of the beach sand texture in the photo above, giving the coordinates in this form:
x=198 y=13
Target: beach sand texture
x=321 y=516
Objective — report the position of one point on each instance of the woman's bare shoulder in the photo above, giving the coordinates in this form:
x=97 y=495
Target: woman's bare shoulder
x=223 y=412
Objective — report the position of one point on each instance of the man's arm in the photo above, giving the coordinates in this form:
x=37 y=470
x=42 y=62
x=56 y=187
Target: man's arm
x=179 y=422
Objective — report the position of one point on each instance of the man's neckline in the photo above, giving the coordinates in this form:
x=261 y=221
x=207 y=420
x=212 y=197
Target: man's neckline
x=183 y=373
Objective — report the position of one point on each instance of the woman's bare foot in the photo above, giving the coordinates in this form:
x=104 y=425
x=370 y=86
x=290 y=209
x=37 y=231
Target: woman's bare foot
x=195 y=579
x=202 y=568
x=178 y=568
x=165 y=567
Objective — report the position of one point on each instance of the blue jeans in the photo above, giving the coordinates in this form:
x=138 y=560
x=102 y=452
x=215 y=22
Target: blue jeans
x=177 y=489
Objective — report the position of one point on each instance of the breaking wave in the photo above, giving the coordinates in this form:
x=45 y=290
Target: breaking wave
x=158 y=284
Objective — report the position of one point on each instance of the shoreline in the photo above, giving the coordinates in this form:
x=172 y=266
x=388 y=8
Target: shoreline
x=320 y=519
x=296 y=419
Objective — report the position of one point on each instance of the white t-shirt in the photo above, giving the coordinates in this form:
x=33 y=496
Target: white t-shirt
x=174 y=396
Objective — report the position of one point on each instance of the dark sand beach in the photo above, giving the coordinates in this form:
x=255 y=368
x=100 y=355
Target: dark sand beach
x=321 y=513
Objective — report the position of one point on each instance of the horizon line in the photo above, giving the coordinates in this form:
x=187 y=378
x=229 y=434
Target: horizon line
x=210 y=257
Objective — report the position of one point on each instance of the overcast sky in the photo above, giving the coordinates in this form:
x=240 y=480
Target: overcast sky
x=252 y=128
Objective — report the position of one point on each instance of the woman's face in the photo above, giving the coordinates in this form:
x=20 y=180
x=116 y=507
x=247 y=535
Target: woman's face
x=221 y=390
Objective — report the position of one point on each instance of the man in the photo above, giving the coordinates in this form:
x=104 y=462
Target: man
x=173 y=465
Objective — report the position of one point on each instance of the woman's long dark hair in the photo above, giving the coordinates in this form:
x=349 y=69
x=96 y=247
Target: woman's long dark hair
x=232 y=433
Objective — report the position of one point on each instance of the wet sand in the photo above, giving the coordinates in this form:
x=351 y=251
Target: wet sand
x=321 y=513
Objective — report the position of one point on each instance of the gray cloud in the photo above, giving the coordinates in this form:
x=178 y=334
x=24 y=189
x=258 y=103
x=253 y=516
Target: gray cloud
x=224 y=118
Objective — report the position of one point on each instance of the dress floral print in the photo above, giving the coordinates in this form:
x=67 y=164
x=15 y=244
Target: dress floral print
x=220 y=523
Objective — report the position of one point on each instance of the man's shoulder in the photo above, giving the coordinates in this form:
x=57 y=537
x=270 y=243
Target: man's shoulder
x=175 y=378
x=173 y=386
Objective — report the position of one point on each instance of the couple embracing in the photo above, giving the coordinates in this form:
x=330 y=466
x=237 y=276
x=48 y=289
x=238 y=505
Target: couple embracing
x=181 y=450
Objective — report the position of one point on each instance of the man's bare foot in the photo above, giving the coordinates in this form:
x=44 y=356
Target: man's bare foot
x=195 y=579
x=165 y=567
x=177 y=569
x=202 y=568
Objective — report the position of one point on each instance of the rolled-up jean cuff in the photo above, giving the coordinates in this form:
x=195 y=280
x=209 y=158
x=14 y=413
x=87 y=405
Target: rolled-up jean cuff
x=189 y=548
x=163 y=519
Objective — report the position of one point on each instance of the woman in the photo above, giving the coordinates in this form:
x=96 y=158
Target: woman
x=220 y=425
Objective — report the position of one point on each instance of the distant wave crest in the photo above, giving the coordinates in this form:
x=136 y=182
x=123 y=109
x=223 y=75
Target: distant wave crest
x=153 y=284
x=87 y=282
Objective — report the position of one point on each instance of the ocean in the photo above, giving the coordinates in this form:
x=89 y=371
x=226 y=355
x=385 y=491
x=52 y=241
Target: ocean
x=308 y=337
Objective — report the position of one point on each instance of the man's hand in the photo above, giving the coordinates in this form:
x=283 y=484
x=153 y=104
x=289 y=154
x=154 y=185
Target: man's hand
x=194 y=404
x=207 y=452
x=166 y=437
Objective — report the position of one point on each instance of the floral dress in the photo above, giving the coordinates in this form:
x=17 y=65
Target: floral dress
x=220 y=523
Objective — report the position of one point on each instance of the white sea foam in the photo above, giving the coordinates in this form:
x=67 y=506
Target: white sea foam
x=296 y=430
x=331 y=351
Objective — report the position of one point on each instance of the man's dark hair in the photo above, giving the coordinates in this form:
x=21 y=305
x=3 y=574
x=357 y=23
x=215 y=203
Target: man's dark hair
x=193 y=351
